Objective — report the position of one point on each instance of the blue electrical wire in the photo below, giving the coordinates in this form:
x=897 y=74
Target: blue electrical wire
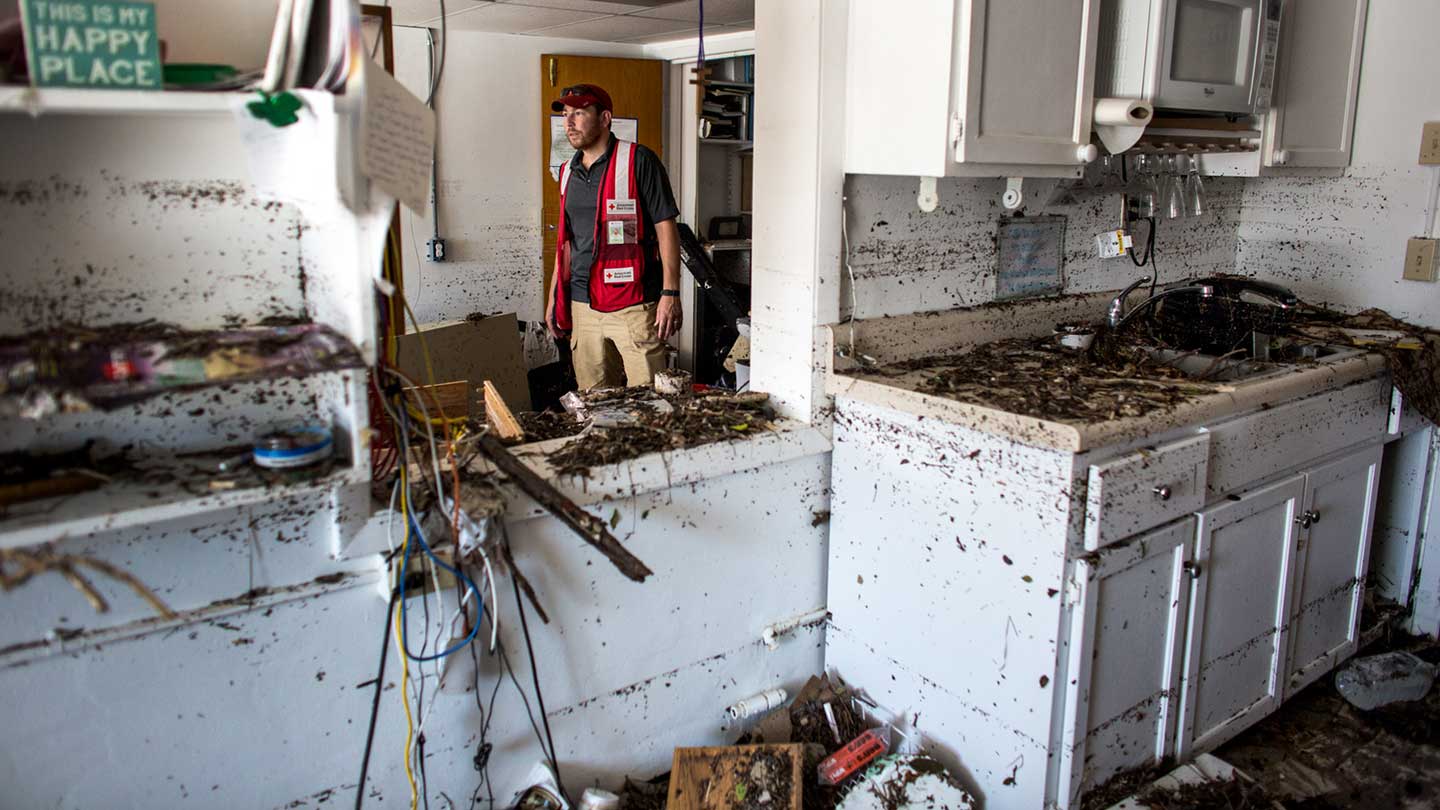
x=405 y=572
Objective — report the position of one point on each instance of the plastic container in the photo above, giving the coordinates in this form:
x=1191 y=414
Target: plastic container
x=1377 y=680
x=856 y=754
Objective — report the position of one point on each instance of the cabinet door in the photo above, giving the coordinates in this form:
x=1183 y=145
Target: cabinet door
x=1313 y=121
x=1024 y=83
x=1120 y=705
x=1239 y=599
x=1330 y=564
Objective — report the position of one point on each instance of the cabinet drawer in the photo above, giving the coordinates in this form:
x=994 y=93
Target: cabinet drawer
x=1143 y=489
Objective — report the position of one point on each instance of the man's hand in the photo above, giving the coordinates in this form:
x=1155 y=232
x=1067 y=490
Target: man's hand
x=668 y=316
x=555 y=331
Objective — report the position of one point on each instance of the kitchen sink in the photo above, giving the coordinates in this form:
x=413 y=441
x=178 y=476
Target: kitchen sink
x=1259 y=358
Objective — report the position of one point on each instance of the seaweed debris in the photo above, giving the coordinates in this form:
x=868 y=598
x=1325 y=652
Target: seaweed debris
x=1034 y=377
x=1235 y=793
x=542 y=426
x=691 y=421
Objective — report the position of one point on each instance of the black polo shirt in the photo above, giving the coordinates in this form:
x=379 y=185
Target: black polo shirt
x=657 y=204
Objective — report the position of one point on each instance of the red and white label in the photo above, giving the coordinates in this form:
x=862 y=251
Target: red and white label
x=619 y=275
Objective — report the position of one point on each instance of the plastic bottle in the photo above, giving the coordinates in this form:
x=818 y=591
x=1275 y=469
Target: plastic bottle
x=1374 y=681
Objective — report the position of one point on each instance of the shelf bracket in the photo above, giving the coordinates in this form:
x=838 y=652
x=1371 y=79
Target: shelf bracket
x=928 y=199
x=1014 y=194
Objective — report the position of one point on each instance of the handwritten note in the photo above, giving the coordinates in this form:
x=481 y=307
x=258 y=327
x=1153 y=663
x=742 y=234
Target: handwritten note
x=397 y=139
x=1031 y=256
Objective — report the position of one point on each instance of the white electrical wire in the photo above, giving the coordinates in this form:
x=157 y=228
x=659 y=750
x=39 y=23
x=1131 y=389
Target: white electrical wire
x=1432 y=211
x=850 y=271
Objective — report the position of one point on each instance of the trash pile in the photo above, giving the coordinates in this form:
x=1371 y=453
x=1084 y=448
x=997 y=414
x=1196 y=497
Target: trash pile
x=74 y=369
x=828 y=753
x=620 y=424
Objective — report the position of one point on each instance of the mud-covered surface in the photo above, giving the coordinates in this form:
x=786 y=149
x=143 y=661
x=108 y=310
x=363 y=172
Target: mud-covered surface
x=1038 y=378
x=642 y=427
x=74 y=368
x=542 y=426
x=1318 y=752
x=1235 y=793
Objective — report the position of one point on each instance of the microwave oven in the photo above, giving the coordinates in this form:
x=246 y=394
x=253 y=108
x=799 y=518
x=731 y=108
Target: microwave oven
x=1201 y=55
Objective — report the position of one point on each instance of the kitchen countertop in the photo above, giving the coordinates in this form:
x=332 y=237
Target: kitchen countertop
x=893 y=342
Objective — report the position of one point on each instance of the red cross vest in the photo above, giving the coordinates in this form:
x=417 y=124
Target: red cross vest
x=617 y=273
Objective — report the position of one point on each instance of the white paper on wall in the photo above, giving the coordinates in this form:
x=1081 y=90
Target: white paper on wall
x=397 y=139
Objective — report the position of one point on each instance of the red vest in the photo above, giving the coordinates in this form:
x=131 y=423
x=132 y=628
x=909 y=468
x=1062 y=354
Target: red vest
x=617 y=273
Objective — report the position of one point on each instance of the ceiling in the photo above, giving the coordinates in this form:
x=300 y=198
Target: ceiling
x=633 y=21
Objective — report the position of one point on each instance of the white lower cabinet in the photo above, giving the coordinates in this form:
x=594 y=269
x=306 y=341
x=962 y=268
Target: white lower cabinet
x=1182 y=637
x=1127 y=629
x=1239 y=598
x=1332 y=561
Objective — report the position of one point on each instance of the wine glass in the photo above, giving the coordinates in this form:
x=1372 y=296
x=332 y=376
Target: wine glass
x=1194 y=190
x=1172 y=190
x=1142 y=191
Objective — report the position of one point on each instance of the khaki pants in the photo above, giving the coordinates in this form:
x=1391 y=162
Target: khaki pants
x=603 y=342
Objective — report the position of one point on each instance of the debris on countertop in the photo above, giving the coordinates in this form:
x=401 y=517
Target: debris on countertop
x=657 y=423
x=739 y=777
x=74 y=369
x=1036 y=377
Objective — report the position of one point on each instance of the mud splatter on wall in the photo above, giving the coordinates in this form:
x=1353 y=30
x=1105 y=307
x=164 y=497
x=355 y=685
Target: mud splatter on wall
x=905 y=260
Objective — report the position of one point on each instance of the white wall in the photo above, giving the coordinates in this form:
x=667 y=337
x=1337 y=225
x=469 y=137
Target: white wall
x=227 y=32
x=906 y=260
x=1342 y=240
x=489 y=182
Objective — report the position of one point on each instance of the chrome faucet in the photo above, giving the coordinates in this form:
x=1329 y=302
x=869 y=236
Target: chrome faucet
x=1118 y=317
x=1116 y=314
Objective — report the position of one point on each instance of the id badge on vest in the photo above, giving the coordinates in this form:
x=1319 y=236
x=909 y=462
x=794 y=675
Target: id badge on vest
x=622 y=218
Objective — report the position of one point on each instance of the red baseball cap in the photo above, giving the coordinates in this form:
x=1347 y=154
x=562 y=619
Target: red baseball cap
x=583 y=95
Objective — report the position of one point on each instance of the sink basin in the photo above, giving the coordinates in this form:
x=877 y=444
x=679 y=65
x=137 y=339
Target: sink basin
x=1260 y=358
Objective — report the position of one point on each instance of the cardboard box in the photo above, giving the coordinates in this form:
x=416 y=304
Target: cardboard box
x=476 y=351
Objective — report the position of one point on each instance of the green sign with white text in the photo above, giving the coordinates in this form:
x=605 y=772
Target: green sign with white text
x=92 y=43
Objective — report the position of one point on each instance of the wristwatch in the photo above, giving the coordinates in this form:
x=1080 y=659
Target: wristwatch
x=671 y=293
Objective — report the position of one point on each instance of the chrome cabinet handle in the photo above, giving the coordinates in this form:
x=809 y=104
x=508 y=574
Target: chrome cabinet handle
x=1192 y=569
x=1163 y=491
x=1308 y=518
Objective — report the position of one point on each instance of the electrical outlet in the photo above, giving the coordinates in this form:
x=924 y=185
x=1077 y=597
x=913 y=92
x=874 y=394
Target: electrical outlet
x=1113 y=244
x=1420 y=259
x=1430 y=144
x=437 y=250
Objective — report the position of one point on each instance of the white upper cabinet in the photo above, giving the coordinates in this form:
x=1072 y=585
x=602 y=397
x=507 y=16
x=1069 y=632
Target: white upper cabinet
x=970 y=87
x=1313 y=121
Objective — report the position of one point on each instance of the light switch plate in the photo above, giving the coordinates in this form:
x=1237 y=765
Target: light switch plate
x=1430 y=144
x=1420 y=259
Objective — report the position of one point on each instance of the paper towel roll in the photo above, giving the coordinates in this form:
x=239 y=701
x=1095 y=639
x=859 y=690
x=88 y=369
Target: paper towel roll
x=1121 y=121
x=1119 y=112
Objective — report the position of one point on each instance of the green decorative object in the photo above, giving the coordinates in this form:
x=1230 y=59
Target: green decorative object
x=278 y=109
x=185 y=73
x=92 y=43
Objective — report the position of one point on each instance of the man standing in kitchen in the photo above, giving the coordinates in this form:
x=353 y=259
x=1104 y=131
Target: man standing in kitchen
x=615 y=290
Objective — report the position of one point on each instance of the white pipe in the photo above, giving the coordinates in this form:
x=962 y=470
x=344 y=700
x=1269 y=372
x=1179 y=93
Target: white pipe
x=757 y=704
x=771 y=635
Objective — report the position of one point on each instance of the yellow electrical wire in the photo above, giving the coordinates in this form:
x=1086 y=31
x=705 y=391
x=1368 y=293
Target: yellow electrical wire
x=400 y=643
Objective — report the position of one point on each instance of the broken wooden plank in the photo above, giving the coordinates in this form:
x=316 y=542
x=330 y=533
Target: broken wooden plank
x=449 y=398
x=590 y=528
x=499 y=416
x=736 y=776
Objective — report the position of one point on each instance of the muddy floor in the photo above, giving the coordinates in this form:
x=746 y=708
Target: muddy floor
x=1320 y=753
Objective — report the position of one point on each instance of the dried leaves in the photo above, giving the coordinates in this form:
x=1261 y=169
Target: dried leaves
x=1036 y=378
x=692 y=421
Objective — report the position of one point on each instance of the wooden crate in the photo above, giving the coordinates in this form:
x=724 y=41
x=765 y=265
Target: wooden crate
x=736 y=777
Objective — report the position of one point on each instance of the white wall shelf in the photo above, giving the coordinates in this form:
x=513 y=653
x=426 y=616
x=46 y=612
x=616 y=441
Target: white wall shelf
x=131 y=501
x=78 y=101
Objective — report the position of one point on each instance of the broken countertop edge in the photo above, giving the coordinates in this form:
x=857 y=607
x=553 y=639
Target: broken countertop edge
x=1076 y=437
x=787 y=441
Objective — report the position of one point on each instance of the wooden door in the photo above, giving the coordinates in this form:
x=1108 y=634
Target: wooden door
x=1333 y=556
x=1125 y=641
x=636 y=86
x=1235 y=641
x=1026 y=80
x=1313 y=122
